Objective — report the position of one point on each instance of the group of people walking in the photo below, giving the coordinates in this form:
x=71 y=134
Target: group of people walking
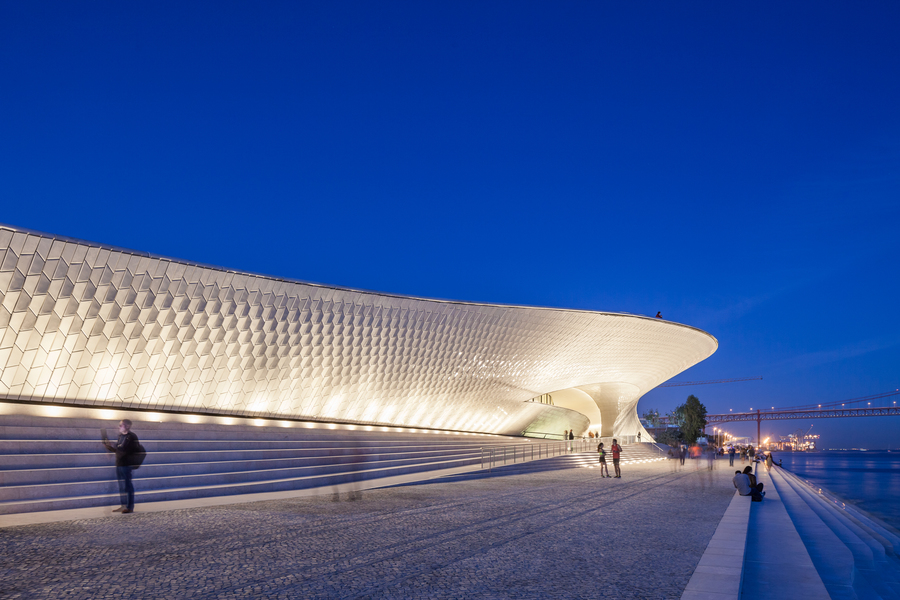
x=745 y=452
x=748 y=452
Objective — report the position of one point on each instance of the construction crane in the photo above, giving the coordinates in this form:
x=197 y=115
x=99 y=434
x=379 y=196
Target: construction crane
x=684 y=383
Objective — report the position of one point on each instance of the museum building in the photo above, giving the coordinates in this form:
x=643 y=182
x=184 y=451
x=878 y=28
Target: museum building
x=95 y=327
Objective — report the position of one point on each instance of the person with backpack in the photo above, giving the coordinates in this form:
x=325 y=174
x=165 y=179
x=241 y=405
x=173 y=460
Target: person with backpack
x=129 y=456
x=603 y=466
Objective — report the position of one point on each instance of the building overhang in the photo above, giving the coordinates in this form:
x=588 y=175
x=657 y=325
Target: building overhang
x=94 y=325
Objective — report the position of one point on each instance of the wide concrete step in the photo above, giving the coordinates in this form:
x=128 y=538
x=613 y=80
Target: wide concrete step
x=57 y=448
x=47 y=462
x=832 y=559
x=877 y=568
x=569 y=461
x=209 y=479
x=194 y=432
x=776 y=562
x=14 y=447
x=190 y=464
x=32 y=427
x=866 y=550
x=52 y=463
x=107 y=493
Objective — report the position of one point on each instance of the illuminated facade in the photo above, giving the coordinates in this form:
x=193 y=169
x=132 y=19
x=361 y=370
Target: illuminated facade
x=91 y=325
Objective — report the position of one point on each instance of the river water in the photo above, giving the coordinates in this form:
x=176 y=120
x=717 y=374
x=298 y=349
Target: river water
x=869 y=480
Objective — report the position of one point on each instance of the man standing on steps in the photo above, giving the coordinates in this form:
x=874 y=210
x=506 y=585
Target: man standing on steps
x=616 y=450
x=126 y=446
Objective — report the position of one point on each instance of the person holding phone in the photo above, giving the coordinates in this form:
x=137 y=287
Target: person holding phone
x=126 y=446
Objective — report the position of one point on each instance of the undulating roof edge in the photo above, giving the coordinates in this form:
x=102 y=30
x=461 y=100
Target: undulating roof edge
x=219 y=268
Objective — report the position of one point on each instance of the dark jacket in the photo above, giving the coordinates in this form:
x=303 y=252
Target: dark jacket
x=125 y=446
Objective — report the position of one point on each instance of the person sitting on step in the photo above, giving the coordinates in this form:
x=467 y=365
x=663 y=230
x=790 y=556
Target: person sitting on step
x=742 y=483
x=748 y=471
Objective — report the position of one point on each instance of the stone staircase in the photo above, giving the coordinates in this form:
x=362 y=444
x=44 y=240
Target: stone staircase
x=583 y=455
x=641 y=452
x=49 y=463
x=855 y=556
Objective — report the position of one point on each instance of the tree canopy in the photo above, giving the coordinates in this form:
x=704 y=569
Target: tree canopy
x=652 y=417
x=690 y=418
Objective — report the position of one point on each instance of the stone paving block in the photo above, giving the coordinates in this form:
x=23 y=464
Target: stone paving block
x=724 y=583
x=718 y=570
x=544 y=535
x=726 y=547
x=695 y=595
x=711 y=559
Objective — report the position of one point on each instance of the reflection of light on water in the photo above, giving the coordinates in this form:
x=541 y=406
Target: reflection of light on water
x=869 y=481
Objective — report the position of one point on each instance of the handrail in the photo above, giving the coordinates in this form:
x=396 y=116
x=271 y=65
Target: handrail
x=543 y=435
x=503 y=453
x=658 y=449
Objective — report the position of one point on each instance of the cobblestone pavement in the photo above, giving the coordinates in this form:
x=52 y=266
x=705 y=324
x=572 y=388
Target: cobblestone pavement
x=552 y=534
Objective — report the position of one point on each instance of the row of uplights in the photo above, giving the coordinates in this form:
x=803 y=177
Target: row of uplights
x=113 y=415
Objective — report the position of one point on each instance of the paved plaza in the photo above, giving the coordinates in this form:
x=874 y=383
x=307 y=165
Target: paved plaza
x=562 y=533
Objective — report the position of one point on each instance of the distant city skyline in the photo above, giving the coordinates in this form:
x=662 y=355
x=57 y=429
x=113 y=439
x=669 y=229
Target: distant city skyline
x=734 y=167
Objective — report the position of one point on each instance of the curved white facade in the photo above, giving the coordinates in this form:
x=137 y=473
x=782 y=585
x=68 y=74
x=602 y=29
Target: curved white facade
x=86 y=324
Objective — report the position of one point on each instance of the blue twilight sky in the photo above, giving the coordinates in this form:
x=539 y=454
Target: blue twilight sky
x=734 y=165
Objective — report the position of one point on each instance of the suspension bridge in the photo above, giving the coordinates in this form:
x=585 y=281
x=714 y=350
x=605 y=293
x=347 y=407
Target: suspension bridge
x=876 y=405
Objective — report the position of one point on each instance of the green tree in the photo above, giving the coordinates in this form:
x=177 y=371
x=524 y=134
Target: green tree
x=670 y=437
x=691 y=418
x=652 y=417
x=676 y=417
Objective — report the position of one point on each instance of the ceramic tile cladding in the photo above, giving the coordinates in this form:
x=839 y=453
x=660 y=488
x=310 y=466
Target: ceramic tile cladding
x=86 y=324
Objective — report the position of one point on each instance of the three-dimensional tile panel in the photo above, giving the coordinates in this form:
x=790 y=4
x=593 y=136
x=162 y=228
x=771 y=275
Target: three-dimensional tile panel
x=93 y=325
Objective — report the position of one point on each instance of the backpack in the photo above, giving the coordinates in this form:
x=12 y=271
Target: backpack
x=136 y=459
